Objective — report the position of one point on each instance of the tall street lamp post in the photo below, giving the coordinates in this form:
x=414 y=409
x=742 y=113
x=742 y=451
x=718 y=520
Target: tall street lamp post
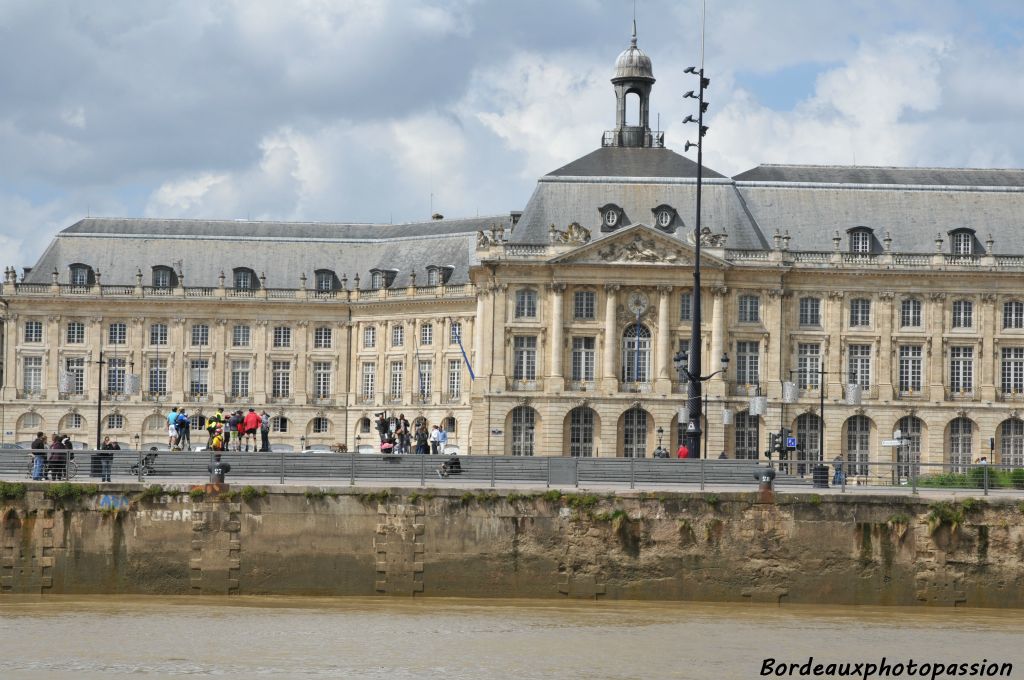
x=681 y=361
x=693 y=371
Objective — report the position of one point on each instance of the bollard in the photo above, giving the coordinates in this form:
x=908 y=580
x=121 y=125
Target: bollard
x=765 y=490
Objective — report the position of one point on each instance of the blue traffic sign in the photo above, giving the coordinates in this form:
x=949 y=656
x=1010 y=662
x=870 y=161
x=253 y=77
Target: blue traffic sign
x=790 y=442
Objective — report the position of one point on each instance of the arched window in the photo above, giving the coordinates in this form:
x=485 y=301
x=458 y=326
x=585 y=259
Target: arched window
x=155 y=423
x=747 y=435
x=858 y=443
x=326 y=281
x=581 y=432
x=279 y=424
x=320 y=425
x=164 y=277
x=908 y=456
x=523 y=424
x=1011 y=442
x=449 y=425
x=961 y=443
x=634 y=433
x=636 y=354
x=363 y=426
x=72 y=421
x=244 y=279
x=808 y=437
x=30 y=421
x=115 y=421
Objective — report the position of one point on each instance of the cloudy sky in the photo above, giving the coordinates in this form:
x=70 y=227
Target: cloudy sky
x=361 y=110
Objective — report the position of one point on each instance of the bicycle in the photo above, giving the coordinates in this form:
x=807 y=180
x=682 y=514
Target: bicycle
x=148 y=466
x=71 y=468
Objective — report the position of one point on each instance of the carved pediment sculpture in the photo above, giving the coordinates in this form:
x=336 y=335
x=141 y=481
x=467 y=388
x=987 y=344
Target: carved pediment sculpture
x=639 y=249
x=574 y=234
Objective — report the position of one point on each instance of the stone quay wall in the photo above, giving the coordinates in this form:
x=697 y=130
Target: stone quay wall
x=351 y=541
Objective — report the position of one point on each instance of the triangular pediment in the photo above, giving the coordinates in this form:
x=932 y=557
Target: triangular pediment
x=638 y=244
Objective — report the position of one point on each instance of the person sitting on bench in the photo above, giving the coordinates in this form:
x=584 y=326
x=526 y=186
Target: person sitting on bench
x=452 y=466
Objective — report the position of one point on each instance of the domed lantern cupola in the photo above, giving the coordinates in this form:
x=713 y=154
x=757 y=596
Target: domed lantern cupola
x=633 y=75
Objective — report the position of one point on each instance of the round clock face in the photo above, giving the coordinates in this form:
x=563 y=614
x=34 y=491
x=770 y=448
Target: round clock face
x=664 y=218
x=611 y=217
x=637 y=302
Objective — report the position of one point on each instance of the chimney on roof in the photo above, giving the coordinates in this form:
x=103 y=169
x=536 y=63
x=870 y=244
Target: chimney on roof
x=437 y=216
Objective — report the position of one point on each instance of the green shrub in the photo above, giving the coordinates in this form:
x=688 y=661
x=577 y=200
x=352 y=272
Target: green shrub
x=945 y=513
x=150 y=492
x=1017 y=478
x=12 y=490
x=552 y=496
x=250 y=493
x=197 y=494
x=63 y=492
x=583 y=501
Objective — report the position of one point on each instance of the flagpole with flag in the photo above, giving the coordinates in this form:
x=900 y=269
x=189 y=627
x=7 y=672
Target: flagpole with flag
x=465 y=357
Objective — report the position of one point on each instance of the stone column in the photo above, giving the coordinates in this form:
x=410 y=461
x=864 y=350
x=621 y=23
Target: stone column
x=886 y=350
x=836 y=371
x=935 y=348
x=177 y=360
x=259 y=371
x=663 y=356
x=12 y=369
x=775 y=367
x=52 y=365
x=478 y=333
x=716 y=386
x=301 y=388
x=556 y=383
x=498 y=309
x=988 y=355
x=610 y=381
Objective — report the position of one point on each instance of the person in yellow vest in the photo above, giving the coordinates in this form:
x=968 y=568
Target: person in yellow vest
x=213 y=424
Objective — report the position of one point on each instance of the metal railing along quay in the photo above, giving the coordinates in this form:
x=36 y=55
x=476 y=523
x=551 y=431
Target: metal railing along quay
x=352 y=468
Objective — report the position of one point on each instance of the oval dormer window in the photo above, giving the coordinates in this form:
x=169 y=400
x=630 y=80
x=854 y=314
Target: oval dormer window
x=664 y=218
x=611 y=217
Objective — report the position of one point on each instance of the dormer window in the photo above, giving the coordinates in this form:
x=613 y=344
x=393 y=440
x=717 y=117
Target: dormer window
x=665 y=217
x=611 y=216
x=244 y=279
x=80 y=275
x=376 y=280
x=961 y=242
x=325 y=280
x=437 y=275
x=860 y=240
x=163 y=277
x=382 y=278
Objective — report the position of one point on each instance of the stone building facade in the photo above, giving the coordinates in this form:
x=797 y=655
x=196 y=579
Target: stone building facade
x=891 y=295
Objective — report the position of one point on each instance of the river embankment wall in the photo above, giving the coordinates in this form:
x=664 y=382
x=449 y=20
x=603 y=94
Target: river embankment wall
x=728 y=547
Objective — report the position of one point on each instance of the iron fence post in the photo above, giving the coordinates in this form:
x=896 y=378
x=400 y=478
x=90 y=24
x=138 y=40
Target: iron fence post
x=423 y=480
x=701 y=474
x=492 y=472
x=913 y=478
x=632 y=473
x=140 y=466
x=986 y=478
x=352 y=469
x=282 y=466
x=577 y=475
x=547 y=471
x=842 y=479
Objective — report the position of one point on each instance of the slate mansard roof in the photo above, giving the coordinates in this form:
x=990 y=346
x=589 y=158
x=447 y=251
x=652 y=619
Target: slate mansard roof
x=282 y=250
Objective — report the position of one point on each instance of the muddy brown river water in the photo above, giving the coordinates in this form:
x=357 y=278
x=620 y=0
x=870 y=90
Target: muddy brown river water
x=111 y=637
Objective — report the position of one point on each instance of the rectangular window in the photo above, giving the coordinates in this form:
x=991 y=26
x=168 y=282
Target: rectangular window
x=240 y=336
x=282 y=336
x=909 y=369
x=961 y=370
x=858 y=365
x=397 y=335
x=583 y=359
x=455 y=334
x=243 y=280
x=963 y=314
x=808 y=365
x=116 y=375
x=686 y=306
x=424 y=378
x=749 y=309
x=158 y=377
x=200 y=335
x=75 y=370
x=1012 y=370
x=860 y=312
x=240 y=378
x=810 y=311
x=747 y=362
x=584 y=303
x=76 y=333
x=910 y=313
x=427 y=334
x=397 y=379
x=454 y=378
x=32 y=375
x=117 y=333
x=526 y=304
x=323 y=337
x=281 y=379
x=33 y=331
x=524 y=348
x=1013 y=314
x=370 y=337
x=368 y=385
x=158 y=334
x=860 y=241
x=199 y=377
x=322 y=380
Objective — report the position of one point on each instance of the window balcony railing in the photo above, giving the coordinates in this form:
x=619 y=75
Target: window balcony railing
x=197 y=397
x=741 y=389
x=635 y=387
x=959 y=395
x=393 y=399
x=451 y=398
x=116 y=395
x=322 y=401
x=911 y=393
x=33 y=395
x=155 y=396
x=869 y=392
x=281 y=399
x=421 y=399
x=580 y=386
x=365 y=399
x=1011 y=395
x=522 y=385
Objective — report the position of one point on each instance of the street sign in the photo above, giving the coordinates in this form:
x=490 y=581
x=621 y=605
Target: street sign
x=892 y=442
x=790 y=442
